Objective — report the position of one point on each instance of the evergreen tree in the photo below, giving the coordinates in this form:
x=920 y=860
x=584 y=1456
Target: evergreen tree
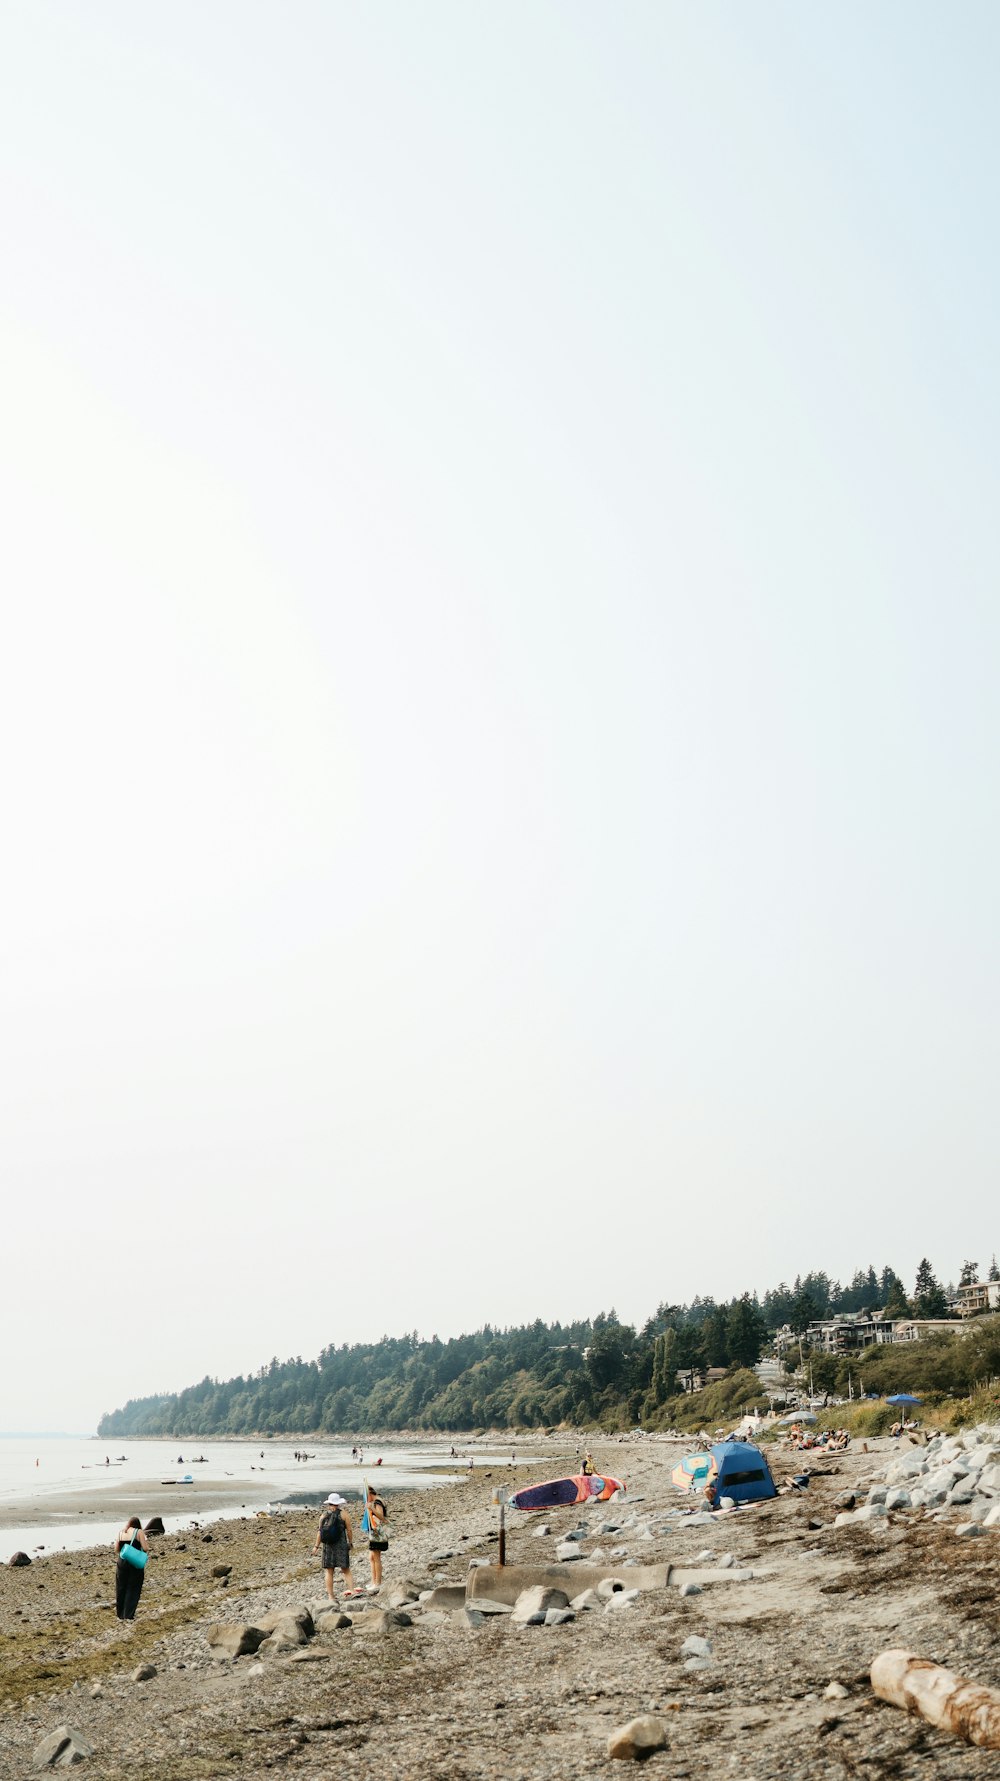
x=896 y=1303
x=969 y=1275
x=994 y=1273
x=928 y=1299
x=747 y=1332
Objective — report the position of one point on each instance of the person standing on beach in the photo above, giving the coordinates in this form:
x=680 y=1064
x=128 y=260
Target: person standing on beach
x=336 y=1536
x=378 y=1535
x=129 y=1577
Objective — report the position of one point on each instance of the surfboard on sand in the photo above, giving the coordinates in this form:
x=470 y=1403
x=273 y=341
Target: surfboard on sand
x=557 y=1492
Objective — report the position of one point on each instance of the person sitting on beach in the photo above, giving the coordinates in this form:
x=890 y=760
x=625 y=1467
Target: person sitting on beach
x=588 y=1466
x=336 y=1536
x=709 y=1498
x=129 y=1577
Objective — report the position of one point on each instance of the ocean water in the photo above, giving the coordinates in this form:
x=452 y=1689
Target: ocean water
x=41 y=1475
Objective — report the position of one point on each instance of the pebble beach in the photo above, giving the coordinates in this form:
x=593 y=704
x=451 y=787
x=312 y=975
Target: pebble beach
x=762 y=1668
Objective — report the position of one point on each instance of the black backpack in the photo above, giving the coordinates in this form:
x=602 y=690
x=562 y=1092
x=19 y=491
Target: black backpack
x=329 y=1528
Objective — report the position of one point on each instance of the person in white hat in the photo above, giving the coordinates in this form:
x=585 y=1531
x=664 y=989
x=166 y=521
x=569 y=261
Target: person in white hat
x=336 y=1536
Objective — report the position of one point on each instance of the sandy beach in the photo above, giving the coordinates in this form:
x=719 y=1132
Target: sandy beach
x=450 y=1696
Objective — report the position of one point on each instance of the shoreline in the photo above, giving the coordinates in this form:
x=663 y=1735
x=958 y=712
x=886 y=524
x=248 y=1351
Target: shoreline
x=809 y=1606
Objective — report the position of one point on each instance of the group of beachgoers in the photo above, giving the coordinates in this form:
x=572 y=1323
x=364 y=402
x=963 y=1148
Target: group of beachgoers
x=335 y=1535
x=827 y=1441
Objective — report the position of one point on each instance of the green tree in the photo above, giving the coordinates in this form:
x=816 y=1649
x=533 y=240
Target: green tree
x=969 y=1275
x=897 y=1304
x=804 y=1311
x=928 y=1298
x=994 y=1273
x=747 y=1332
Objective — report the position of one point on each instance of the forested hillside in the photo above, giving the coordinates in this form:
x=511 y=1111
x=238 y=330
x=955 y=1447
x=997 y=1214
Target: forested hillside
x=600 y=1370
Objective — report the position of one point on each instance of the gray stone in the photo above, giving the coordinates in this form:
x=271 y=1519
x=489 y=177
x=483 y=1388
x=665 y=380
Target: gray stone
x=290 y=1621
x=697 y=1663
x=143 y=1673
x=402 y=1594
x=222 y=1570
x=16 y=1560
x=639 y=1738
x=960 y=1496
x=382 y=1622
x=447 y=1595
x=704 y=1557
x=473 y=1617
x=333 y=1622
x=61 y=1749
x=835 y=1691
x=229 y=1638
x=993 y=1517
x=897 y=1499
x=622 y=1598
x=438 y=1558
x=559 y=1617
x=532 y=1605
x=618 y=1553
x=968 y=1528
x=696 y=1647
x=582 y=1604
x=568 y=1552
x=540 y=1533
x=727 y=1561
x=690 y=1589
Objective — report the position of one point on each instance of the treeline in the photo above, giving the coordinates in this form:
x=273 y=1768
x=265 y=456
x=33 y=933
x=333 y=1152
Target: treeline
x=537 y=1375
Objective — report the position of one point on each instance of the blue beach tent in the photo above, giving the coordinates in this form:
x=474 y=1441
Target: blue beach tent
x=742 y=1472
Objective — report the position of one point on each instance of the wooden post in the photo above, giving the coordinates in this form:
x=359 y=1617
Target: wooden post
x=502 y=1551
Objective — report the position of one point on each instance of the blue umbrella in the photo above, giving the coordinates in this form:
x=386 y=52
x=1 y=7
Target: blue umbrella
x=903 y=1397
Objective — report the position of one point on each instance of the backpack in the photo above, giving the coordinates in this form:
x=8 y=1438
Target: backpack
x=330 y=1528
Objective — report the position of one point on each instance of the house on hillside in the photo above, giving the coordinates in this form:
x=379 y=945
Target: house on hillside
x=973 y=1300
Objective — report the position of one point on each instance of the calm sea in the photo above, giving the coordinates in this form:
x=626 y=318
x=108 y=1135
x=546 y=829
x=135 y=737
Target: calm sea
x=40 y=1476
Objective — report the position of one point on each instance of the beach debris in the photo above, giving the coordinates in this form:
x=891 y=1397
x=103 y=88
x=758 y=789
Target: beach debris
x=639 y=1738
x=232 y=1638
x=61 y=1749
x=533 y=1604
x=16 y=1559
x=143 y=1673
x=954 y=1703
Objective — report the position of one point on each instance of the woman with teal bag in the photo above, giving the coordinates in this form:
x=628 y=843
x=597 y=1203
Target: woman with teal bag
x=131 y=1553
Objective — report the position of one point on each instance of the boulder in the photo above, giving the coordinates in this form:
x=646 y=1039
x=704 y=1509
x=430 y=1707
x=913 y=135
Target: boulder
x=559 y=1617
x=967 y=1528
x=532 y=1605
x=222 y=1570
x=688 y=1589
x=332 y=1622
x=589 y=1599
x=61 y=1749
x=154 y=1525
x=835 y=1691
x=989 y=1480
x=279 y=1618
x=447 y=1595
x=16 y=1559
x=143 y=1673
x=401 y=1594
x=727 y=1560
x=992 y=1518
x=622 y=1598
x=232 y=1638
x=382 y=1622
x=567 y=1552
x=897 y=1499
x=638 y=1739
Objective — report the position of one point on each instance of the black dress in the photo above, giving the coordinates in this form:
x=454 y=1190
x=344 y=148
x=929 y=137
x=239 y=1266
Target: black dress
x=128 y=1587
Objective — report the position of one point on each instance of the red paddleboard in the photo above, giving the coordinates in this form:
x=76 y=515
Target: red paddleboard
x=557 y=1492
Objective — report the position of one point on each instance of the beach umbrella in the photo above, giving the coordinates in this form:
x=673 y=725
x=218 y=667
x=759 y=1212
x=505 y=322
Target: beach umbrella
x=693 y=1470
x=799 y=1416
x=902 y=1397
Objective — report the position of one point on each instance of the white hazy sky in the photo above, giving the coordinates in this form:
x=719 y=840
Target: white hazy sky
x=498 y=707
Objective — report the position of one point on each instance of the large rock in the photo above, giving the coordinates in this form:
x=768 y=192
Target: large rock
x=16 y=1559
x=993 y=1517
x=154 y=1525
x=989 y=1480
x=898 y=1498
x=279 y=1618
x=403 y=1593
x=532 y=1605
x=61 y=1749
x=231 y=1638
x=639 y=1738
x=143 y=1673
x=382 y=1621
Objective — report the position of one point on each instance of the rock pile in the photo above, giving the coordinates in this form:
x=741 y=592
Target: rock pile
x=952 y=1473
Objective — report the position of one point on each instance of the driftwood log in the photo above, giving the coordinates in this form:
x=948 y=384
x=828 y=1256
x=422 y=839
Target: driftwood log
x=952 y=1702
